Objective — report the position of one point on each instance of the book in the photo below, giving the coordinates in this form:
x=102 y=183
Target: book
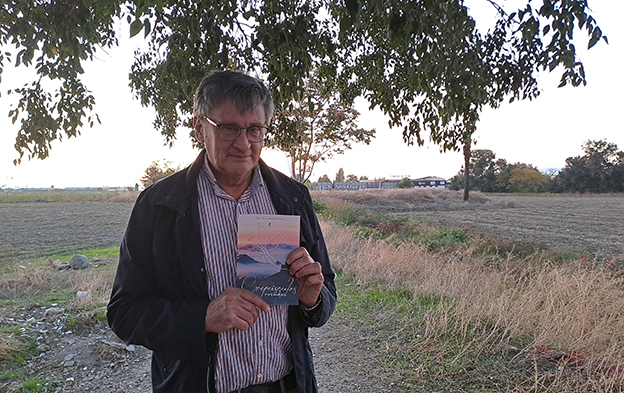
x=263 y=245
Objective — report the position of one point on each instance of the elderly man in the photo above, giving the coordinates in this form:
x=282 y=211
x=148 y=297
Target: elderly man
x=175 y=292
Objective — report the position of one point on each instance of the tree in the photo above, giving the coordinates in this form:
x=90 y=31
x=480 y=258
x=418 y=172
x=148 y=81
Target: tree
x=483 y=169
x=600 y=169
x=157 y=171
x=428 y=77
x=324 y=179
x=352 y=179
x=526 y=180
x=405 y=183
x=340 y=177
x=363 y=177
x=503 y=179
x=316 y=127
x=422 y=62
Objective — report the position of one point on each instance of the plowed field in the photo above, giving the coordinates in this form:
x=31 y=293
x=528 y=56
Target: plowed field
x=581 y=224
x=592 y=224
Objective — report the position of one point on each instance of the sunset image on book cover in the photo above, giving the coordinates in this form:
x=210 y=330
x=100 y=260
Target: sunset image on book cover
x=264 y=243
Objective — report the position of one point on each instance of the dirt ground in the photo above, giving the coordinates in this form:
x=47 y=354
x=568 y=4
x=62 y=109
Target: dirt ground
x=94 y=360
x=40 y=229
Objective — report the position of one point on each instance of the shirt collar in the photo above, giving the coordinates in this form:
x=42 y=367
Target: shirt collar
x=254 y=187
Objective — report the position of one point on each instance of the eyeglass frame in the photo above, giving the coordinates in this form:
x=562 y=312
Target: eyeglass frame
x=240 y=129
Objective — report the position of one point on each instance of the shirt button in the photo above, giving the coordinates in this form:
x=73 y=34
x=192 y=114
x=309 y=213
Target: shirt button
x=202 y=270
x=260 y=375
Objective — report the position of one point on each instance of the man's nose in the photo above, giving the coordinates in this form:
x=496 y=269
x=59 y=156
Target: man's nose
x=242 y=142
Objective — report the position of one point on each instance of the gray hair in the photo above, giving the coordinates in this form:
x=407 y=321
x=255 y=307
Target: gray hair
x=219 y=87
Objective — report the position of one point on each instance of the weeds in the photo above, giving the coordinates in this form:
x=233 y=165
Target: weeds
x=370 y=224
x=481 y=315
x=33 y=384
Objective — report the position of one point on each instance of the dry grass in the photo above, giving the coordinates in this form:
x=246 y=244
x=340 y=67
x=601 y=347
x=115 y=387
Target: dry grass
x=399 y=200
x=577 y=307
x=67 y=196
x=97 y=284
x=8 y=346
x=39 y=282
x=129 y=196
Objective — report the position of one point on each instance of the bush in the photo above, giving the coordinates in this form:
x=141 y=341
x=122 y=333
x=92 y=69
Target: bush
x=405 y=183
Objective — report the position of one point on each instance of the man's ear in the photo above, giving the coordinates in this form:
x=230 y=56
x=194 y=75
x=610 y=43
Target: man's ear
x=198 y=125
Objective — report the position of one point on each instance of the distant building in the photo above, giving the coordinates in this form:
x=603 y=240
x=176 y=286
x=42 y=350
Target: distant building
x=431 y=182
x=424 y=182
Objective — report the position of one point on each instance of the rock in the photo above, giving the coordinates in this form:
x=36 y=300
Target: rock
x=78 y=262
x=81 y=294
x=52 y=311
x=69 y=363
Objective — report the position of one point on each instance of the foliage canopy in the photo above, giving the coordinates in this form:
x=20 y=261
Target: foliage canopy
x=423 y=62
x=600 y=169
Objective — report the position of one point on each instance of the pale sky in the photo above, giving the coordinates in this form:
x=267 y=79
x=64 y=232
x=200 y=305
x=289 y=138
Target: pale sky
x=542 y=132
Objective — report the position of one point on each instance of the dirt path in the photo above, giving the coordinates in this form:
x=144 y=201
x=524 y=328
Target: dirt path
x=94 y=360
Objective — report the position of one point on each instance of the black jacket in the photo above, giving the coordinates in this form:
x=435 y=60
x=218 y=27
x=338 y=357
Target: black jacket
x=159 y=297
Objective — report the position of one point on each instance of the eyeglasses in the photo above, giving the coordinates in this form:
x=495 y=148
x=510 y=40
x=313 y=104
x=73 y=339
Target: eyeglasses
x=229 y=132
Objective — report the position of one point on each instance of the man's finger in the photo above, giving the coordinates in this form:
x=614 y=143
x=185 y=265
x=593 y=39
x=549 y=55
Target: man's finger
x=298 y=253
x=305 y=266
x=255 y=300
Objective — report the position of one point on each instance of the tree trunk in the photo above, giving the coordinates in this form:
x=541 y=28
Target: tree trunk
x=467 y=153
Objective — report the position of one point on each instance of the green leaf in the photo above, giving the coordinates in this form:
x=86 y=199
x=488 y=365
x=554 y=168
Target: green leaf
x=345 y=24
x=352 y=7
x=148 y=27
x=136 y=27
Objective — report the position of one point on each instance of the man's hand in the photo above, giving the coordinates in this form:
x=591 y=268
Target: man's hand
x=309 y=275
x=234 y=308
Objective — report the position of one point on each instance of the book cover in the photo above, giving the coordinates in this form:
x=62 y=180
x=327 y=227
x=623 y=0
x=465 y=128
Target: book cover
x=264 y=243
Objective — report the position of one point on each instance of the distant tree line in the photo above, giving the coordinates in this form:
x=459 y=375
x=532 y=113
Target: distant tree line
x=599 y=170
x=340 y=177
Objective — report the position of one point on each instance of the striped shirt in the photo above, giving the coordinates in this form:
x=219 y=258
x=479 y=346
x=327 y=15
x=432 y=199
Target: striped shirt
x=263 y=353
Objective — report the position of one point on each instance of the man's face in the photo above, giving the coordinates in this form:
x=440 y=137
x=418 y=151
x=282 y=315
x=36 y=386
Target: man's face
x=231 y=161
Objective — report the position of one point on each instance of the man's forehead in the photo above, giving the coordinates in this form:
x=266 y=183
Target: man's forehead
x=243 y=107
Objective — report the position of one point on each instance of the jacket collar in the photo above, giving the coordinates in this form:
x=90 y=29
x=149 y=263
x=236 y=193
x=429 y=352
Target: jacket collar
x=286 y=194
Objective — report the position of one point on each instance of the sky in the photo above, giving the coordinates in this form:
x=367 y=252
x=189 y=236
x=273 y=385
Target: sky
x=543 y=132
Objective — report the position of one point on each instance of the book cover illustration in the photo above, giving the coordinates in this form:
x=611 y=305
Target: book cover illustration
x=264 y=243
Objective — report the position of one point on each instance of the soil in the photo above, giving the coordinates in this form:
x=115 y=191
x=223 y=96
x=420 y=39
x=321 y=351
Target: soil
x=93 y=359
x=40 y=229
